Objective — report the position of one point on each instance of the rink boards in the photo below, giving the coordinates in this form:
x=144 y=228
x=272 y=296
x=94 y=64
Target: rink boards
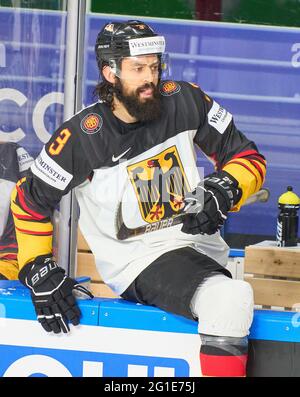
x=120 y=339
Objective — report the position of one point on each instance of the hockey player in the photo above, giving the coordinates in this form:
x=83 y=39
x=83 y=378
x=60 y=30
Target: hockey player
x=14 y=161
x=151 y=223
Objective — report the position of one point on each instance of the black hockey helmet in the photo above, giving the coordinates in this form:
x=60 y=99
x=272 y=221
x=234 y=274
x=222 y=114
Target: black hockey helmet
x=117 y=40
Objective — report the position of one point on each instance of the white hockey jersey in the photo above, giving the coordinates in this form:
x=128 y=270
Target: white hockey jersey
x=130 y=180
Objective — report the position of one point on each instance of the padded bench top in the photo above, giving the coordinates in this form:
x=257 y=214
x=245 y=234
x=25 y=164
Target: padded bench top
x=15 y=302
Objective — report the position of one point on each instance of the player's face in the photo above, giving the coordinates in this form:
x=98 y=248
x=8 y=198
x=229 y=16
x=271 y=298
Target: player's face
x=137 y=87
x=139 y=75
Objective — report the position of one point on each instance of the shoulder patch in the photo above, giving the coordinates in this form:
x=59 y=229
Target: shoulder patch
x=45 y=168
x=219 y=118
x=91 y=123
x=169 y=88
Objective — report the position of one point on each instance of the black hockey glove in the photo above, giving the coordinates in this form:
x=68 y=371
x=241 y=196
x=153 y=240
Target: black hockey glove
x=207 y=206
x=52 y=294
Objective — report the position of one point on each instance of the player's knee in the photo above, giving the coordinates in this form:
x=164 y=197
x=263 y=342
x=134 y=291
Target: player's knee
x=224 y=308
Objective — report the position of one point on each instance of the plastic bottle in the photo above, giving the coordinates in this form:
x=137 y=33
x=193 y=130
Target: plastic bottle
x=287 y=221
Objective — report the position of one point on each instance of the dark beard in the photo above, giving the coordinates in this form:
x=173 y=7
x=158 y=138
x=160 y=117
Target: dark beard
x=149 y=110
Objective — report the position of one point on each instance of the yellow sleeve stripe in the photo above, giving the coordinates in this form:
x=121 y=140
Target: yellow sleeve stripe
x=33 y=226
x=261 y=168
x=248 y=181
x=33 y=246
x=254 y=165
x=9 y=269
x=18 y=210
x=252 y=169
x=34 y=238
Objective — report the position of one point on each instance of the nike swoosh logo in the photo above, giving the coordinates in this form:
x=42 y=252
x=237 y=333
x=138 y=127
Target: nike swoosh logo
x=114 y=159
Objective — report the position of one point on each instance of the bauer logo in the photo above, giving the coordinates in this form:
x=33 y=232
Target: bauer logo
x=18 y=361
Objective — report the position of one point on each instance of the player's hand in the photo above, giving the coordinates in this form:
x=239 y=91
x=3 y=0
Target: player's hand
x=207 y=206
x=52 y=294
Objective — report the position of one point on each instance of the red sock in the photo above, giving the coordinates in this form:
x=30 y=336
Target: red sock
x=223 y=365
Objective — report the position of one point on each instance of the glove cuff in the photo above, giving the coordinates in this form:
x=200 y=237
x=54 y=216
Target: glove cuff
x=226 y=185
x=33 y=267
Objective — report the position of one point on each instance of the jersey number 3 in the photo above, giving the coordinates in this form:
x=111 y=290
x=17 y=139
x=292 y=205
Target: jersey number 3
x=57 y=146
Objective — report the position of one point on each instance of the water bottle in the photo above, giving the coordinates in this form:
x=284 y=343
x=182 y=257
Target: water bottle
x=287 y=221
